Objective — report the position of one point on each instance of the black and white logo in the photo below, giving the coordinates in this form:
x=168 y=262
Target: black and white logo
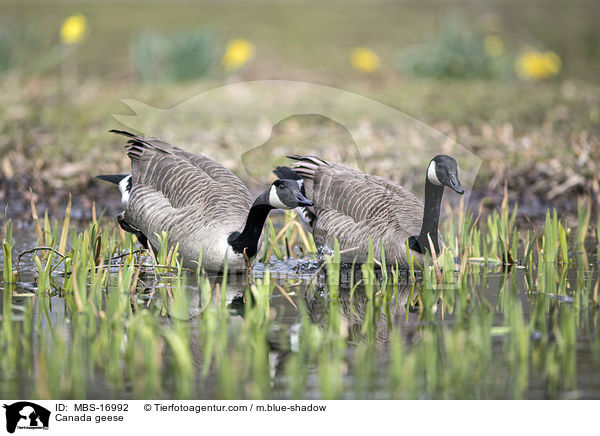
x=26 y=415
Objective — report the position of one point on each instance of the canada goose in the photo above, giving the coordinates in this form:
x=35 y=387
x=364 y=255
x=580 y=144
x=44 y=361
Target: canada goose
x=201 y=205
x=355 y=207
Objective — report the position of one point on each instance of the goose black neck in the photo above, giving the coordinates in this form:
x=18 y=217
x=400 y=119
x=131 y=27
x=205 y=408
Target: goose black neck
x=431 y=217
x=249 y=237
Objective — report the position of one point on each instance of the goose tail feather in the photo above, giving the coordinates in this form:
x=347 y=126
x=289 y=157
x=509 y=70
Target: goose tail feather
x=307 y=165
x=137 y=144
x=123 y=132
x=112 y=178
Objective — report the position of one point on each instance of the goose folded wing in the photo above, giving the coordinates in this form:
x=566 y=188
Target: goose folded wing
x=362 y=197
x=187 y=179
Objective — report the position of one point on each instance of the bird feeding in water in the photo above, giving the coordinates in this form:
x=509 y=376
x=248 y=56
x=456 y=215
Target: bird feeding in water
x=356 y=208
x=202 y=206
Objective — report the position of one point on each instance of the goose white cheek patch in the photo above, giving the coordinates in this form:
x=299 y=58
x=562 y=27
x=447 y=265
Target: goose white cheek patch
x=431 y=174
x=274 y=199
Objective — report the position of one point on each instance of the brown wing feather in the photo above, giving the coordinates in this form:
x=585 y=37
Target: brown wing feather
x=187 y=195
x=185 y=178
x=354 y=208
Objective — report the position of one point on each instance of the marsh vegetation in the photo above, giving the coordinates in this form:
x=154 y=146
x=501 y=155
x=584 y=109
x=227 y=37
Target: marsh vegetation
x=501 y=313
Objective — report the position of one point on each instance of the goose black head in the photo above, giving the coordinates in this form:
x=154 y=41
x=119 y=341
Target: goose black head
x=287 y=194
x=443 y=171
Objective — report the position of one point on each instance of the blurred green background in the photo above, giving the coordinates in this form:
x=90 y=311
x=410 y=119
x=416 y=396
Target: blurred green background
x=515 y=82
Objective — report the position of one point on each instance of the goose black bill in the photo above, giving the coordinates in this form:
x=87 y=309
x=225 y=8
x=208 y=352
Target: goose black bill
x=455 y=184
x=303 y=201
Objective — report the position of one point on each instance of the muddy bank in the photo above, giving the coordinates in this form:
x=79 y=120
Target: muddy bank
x=534 y=191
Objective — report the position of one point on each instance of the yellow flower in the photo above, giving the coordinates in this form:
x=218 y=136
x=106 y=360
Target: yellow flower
x=364 y=60
x=538 y=65
x=494 y=46
x=553 y=62
x=237 y=53
x=73 y=29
